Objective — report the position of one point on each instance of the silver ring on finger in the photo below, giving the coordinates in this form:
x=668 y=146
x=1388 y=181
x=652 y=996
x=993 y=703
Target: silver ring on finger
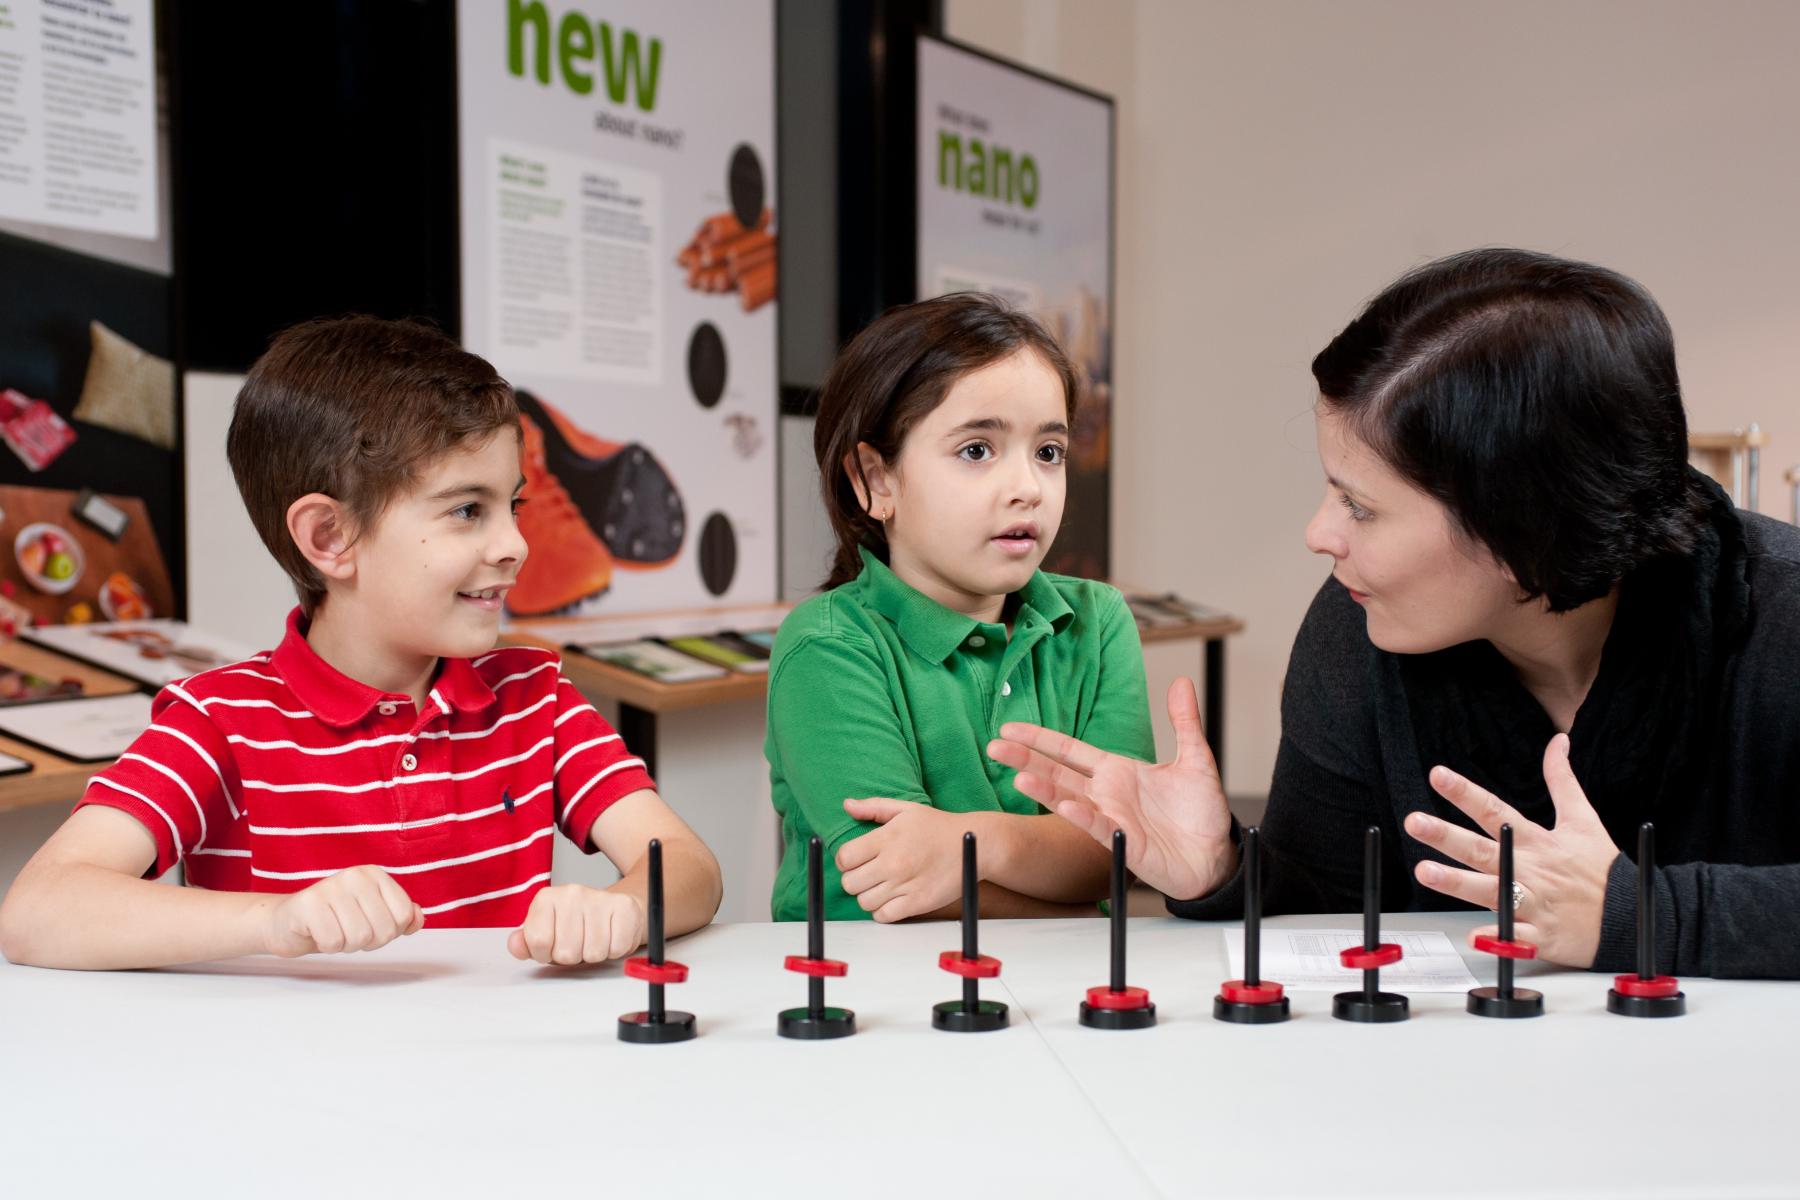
x=1518 y=895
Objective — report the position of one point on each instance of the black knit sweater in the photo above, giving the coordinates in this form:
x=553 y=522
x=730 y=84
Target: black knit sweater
x=1693 y=722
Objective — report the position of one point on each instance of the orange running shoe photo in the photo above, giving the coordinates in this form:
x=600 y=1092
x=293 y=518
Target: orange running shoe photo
x=566 y=563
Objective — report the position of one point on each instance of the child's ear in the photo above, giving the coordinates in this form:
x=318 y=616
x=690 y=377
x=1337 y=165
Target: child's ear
x=319 y=526
x=878 y=496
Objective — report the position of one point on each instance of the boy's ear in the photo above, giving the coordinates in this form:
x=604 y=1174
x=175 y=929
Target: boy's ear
x=880 y=479
x=320 y=527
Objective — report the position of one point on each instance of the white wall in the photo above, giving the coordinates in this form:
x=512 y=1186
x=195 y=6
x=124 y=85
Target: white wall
x=807 y=542
x=1282 y=161
x=235 y=589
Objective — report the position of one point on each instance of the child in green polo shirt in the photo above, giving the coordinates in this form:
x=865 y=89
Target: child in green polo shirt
x=942 y=435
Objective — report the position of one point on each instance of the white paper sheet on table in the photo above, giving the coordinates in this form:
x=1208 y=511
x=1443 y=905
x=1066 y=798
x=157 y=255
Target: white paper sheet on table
x=1306 y=960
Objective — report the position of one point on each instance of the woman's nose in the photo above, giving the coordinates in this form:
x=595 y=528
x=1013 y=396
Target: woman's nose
x=1322 y=534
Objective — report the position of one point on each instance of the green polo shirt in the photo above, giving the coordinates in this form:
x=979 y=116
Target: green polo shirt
x=877 y=690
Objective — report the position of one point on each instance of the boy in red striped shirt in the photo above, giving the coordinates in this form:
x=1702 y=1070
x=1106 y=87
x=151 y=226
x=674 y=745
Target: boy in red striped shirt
x=385 y=767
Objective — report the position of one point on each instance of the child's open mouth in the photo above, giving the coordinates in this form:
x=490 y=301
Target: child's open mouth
x=1020 y=540
x=488 y=599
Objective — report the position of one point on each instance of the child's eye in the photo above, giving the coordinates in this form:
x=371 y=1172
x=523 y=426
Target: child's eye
x=518 y=503
x=1053 y=453
x=467 y=512
x=976 y=452
x=1357 y=511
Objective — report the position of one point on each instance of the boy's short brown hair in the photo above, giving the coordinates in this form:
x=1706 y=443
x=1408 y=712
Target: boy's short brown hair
x=353 y=407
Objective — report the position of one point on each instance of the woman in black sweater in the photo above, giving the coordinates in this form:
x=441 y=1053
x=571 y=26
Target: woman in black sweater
x=1539 y=614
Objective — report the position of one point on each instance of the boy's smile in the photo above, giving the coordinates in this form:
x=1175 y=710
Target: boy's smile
x=488 y=599
x=431 y=575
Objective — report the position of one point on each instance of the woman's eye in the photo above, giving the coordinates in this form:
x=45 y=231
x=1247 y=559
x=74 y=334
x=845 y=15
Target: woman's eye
x=976 y=452
x=1053 y=453
x=1357 y=511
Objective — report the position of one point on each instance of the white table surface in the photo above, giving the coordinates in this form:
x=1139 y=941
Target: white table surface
x=440 y=1066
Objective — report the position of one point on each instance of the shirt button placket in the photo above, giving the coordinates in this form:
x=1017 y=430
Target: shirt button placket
x=1021 y=701
x=407 y=798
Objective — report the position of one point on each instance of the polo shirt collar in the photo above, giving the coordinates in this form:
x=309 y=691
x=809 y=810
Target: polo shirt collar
x=341 y=701
x=932 y=630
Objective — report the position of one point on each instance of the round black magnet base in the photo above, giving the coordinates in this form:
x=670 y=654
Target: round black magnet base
x=804 y=1024
x=1250 y=1014
x=952 y=1017
x=1118 y=1018
x=1646 y=1006
x=1488 y=1002
x=1359 y=1006
x=674 y=1027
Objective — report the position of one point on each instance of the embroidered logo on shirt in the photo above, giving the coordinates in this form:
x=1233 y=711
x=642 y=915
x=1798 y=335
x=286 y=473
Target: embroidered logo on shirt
x=506 y=799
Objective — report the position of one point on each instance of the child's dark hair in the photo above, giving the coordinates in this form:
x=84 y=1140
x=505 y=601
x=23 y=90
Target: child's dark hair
x=891 y=375
x=353 y=407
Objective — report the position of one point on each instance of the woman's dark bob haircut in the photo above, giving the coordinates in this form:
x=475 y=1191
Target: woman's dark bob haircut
x=889 y=377
x=1537 y=400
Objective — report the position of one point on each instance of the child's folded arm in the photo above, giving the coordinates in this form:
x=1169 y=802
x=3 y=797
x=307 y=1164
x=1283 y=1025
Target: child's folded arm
x=1000 y=903
x=853 y=749
x=1042 y=858
x=837 y=735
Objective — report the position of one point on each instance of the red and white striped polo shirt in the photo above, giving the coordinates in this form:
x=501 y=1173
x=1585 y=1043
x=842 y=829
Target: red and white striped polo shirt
x=269 y=775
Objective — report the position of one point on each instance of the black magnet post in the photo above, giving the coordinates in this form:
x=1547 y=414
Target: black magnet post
x=971 y=1014
x=1371 y=1005
x=1504 y=1000
x=1251 y=1000
x=816 y=1021
x=655 y=1024
x=1114 y=1005
x=1646 y=994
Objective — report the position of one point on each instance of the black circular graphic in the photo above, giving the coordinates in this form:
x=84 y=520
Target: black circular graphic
x=706 y=364
x=718 y=553
x=746 y=183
